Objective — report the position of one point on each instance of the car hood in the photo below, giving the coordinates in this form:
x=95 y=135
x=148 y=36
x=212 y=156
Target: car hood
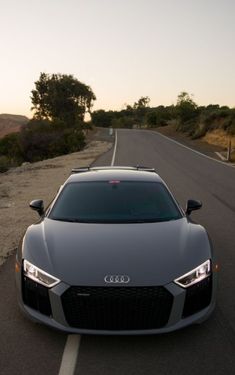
x=149 y=253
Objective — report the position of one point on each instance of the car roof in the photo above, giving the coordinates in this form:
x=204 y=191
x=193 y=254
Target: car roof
x=114 y=173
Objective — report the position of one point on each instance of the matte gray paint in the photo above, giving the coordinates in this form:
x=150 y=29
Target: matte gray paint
x=82 y=254
x=175 y=322
x=150 y=253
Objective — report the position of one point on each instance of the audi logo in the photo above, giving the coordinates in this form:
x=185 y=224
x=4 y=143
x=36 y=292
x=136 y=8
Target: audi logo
x=117 y=279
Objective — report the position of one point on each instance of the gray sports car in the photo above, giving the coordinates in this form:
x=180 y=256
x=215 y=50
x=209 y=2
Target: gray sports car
x=114 y=253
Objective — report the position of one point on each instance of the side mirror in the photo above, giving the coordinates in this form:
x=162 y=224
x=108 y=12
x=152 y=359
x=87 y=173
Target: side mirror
x=37 y=205
x=192 y=205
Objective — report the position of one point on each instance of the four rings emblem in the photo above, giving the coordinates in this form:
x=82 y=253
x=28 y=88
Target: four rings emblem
x=117 y=279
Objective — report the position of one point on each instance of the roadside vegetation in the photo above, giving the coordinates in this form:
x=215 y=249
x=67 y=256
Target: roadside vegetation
x=60 y=103
x=186 y=116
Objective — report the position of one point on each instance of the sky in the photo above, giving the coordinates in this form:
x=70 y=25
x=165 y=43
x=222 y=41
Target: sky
x=122 y=49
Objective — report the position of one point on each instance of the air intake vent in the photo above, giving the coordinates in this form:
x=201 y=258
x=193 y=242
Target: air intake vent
x=117 y=308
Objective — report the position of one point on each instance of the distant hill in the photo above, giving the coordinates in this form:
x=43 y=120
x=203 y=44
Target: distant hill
x=11 y=123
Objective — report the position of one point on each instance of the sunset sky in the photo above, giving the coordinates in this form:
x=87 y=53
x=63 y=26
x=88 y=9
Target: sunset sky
x=123 y=49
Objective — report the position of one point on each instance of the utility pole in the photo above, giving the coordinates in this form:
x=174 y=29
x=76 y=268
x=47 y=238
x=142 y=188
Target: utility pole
x=229 y=149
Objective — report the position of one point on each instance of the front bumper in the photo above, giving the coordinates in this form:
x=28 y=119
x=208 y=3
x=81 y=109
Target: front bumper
x=180 y=314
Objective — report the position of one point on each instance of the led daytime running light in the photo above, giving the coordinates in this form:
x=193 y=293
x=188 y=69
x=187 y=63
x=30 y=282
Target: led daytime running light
x=195 y=276
x=38 y=275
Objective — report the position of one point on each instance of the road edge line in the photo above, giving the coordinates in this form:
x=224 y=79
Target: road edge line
x=70 y=354
x=114 y=150
x=195 y=151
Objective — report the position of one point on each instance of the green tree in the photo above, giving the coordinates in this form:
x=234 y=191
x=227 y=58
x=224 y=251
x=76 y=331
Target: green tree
x=187 y=111
x=143 y=102
x=140 y=109
x=184 y=97
x=151 y=119
x=102 y=118
x=186 y=107
x=61 y=97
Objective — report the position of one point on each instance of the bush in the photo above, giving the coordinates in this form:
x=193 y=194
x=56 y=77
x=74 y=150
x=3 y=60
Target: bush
x=231 y=127
x=199 y=132
x=189 y=127
x=5 y=164
x=102 y=118
x=47 y=141
x=160 y=116
x=38 y=140
x=10 y=147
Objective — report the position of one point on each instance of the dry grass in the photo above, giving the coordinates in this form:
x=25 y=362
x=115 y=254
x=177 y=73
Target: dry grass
x=218 y=137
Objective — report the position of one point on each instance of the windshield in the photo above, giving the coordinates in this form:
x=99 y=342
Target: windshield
x=115 y=202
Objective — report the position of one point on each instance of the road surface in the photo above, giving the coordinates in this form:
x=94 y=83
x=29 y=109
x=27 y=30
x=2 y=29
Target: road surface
x=27 y=348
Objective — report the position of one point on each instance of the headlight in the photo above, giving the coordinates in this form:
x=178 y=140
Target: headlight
x=195 y=276
x=38 y=275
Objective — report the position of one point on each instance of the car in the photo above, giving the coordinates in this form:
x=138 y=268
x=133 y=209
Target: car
x=114 y=253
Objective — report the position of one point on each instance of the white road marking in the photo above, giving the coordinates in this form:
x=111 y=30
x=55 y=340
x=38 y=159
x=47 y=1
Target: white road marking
x=70 y=354
x=114 y=150
x=220 y=156
x=71 y=349
x=195 y=151
x=69 y=359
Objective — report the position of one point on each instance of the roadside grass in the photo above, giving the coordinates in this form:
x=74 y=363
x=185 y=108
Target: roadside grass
x=219 y=137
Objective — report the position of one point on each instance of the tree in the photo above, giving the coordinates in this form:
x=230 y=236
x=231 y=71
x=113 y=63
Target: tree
x=143 y=102
x=184 y=97
x=186 y=107
x=102 y=118
x=158 y=116
x=140 y=109
x=151 y=119
x=61 y=97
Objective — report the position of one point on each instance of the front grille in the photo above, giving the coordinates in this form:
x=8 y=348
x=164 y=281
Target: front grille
x=198 y=296
x=36 y=296
x=117 y=308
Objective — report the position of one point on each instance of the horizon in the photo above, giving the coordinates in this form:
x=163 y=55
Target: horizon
x=123 y=50
x=30 y=115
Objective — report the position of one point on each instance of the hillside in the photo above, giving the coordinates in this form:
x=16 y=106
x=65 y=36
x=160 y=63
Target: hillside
x=11 y=123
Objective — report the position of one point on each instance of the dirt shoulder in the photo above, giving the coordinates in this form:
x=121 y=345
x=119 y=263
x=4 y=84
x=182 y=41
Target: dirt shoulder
x=34 y=181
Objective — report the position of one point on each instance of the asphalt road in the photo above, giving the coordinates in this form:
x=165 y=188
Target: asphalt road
x=27 y=348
